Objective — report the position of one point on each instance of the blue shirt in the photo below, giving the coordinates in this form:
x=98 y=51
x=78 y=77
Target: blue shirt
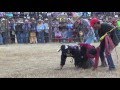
x=69 y=26
x=40 y=27
x=46 y=26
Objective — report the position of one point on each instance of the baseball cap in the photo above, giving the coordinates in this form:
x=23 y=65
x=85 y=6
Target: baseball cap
x=94 y=21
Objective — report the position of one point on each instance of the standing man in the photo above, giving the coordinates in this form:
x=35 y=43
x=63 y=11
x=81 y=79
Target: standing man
x=4 y=31
x=46 y=26
x=102 y=29
x=26 y=29
x=70 y=31
x=55 y=27
x=40 y=31
x=12 y=30
x=90 y=35
x=1 y=38
x=19 y=32
x=33 y=38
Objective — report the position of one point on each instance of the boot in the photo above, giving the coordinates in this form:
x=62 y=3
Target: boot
x=112 y=69
x=103 y=64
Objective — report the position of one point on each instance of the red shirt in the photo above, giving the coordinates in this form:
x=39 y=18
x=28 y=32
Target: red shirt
x=96 y=57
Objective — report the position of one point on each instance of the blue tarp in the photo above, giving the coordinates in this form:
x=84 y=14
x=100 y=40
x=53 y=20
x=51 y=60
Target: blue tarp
x=9 y=15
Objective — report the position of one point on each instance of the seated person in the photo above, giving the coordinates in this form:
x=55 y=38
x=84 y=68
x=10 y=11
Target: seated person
x=58 y=36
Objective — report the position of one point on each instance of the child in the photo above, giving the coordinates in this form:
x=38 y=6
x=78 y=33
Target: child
x=58 y=36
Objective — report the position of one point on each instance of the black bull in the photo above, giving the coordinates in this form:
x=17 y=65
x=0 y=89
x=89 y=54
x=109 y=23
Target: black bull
x=79 y=56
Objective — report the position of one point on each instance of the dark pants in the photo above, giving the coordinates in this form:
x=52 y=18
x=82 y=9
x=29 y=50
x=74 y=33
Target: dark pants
x=40 y=37
x=46 y=37
x=109 y=57
x=25 y=37
x=12 y=37
x=110 y=61
x=19 y=36
x=5 y=39
x=1 y=39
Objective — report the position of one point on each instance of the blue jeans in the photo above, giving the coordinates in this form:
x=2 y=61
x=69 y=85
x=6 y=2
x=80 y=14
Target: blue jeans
x=25 y=37
x=110 y=61
x=19 y=36
x=4 y=35
x=40 y=37
x=109 y=58
x=69 y=34
x=1 y=39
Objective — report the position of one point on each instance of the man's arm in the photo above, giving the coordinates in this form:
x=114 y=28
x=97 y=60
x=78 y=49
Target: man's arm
x=96 y=59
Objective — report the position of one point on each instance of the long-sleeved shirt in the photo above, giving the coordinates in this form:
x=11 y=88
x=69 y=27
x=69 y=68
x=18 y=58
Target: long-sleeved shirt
x=46 y=27
x=40 y=27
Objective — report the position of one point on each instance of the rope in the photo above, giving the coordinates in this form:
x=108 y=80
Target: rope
x=107 y=33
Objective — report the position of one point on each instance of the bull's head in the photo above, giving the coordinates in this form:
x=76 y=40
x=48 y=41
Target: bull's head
x=66 y=49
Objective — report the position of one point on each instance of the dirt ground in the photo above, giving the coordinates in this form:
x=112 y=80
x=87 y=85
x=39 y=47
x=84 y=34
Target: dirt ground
x=42 y=60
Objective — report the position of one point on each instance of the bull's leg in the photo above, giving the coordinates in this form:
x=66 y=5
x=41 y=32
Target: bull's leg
x=63 y=60
x=76 y=58
x=76 y=62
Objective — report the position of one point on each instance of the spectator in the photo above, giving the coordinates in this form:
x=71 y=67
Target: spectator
x=40 y=31
x=1 y=38
x=46 y=30
x=89 y=34
x=33 y=38
x=4 y=31
x=26 y=29
x=19 y=32
x=58 y=36
x=12 y=30
x=55 y=27
x=64 y=36
x=69 y=30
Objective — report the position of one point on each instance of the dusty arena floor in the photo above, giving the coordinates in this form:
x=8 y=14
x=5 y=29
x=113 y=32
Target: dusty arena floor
x=42 y=60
